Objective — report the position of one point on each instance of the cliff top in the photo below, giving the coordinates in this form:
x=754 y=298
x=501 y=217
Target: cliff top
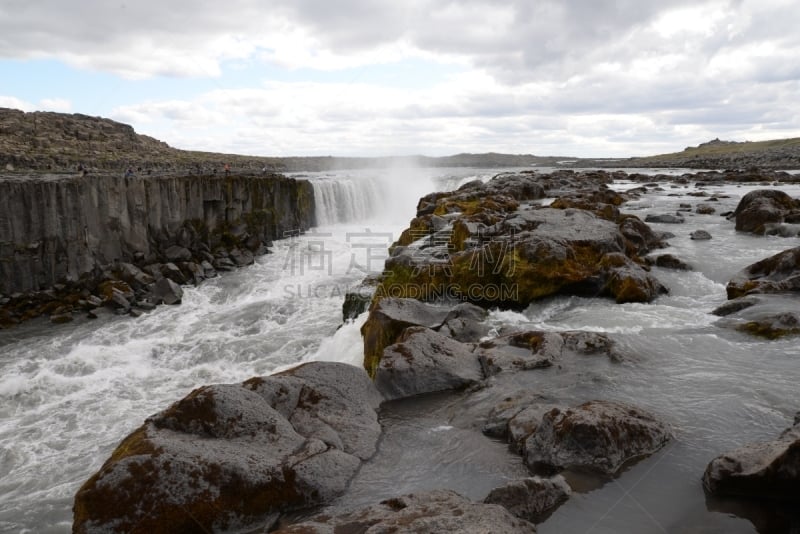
x=56 y=143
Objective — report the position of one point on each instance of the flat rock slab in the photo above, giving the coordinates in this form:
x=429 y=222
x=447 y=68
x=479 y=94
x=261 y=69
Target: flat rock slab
x=434 y=511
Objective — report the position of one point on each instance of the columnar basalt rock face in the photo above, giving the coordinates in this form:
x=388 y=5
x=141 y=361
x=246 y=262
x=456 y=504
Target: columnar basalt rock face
x=64 y=240
x=57 y=229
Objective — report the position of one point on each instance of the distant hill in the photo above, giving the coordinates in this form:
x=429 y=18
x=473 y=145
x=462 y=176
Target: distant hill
x=58 y=142
x=716 y=154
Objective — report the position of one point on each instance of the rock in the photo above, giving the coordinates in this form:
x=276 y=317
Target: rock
x=208 y=269
x=465 y=323
x=61 y=318
x=773 y=326
x=165 y=291
x=241 y=257
x=358 y=298
x=700 y=235
x=133 y=276
x=496 y=424
x=768 y=470
x=192 y=271
x=432 y=511
x=388 y=318
x=424 y=361
x=176 y=253
x=223 y=264
x=522 y=425
x=525 y=255
x=119 y=301
x=174 y=273
x=532 y=499
x=705 y=209
x=776 y=274
x=735 y=305
x=639 y=237
x=668 y=261
x=665 y=218
x=520 y=351
x=597 y=435
x=228 y=456
x=762 y=207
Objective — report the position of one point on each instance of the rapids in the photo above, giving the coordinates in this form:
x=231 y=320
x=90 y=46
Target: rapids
x=70 y=393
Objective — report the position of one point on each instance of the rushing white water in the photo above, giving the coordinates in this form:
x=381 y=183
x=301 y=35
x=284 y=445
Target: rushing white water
x=70 y=393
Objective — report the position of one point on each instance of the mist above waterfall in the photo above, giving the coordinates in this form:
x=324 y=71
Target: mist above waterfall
x=384 y=196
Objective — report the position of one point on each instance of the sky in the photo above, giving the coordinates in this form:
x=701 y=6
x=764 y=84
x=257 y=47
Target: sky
x=585 y=78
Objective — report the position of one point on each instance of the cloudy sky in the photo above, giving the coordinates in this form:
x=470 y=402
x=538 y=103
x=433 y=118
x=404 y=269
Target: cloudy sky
x=587 y=78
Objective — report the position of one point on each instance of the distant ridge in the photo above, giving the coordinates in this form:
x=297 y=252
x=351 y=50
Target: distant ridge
x=51 y=142
x=717 y=154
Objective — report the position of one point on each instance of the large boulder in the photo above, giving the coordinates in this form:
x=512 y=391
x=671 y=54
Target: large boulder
x=432 y=511
x=229 y=455
x=768 y=470
x=424 y=361
x=776 y=274
x=389 y=317
x=518 y=256
x=759 y=210
x=597 y=435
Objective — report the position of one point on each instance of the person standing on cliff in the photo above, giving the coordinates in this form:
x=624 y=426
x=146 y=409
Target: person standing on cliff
x=227 y=170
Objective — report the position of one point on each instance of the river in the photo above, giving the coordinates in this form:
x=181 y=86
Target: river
x=70 y=393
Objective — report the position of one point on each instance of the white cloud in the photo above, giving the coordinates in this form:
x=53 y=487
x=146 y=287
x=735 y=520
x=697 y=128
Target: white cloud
x=15 y=103
x=587 y=76
x=61 y=105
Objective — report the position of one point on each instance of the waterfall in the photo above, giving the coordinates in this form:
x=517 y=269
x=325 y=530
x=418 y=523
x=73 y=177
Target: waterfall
x=346 y=199
x=375 y=195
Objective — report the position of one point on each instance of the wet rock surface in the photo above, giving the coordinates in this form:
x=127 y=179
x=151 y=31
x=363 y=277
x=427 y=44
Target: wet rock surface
x=531 y=499
x=776 y=274
x=425 y=361
x=765 y=210
x=230 y=455
x=596 y=435
x=433 y=511
x=767 y=470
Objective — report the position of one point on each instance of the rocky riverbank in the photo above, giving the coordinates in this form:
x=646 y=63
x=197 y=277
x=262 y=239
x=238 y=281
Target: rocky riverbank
x=71 y=244
x=251 y=455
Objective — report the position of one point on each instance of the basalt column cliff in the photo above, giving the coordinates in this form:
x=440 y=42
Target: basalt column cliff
x=57 y=230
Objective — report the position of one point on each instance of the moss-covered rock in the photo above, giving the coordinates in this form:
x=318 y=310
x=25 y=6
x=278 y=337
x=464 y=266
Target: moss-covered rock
x=237 y=455
x=759 y=209
x=776 y=274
